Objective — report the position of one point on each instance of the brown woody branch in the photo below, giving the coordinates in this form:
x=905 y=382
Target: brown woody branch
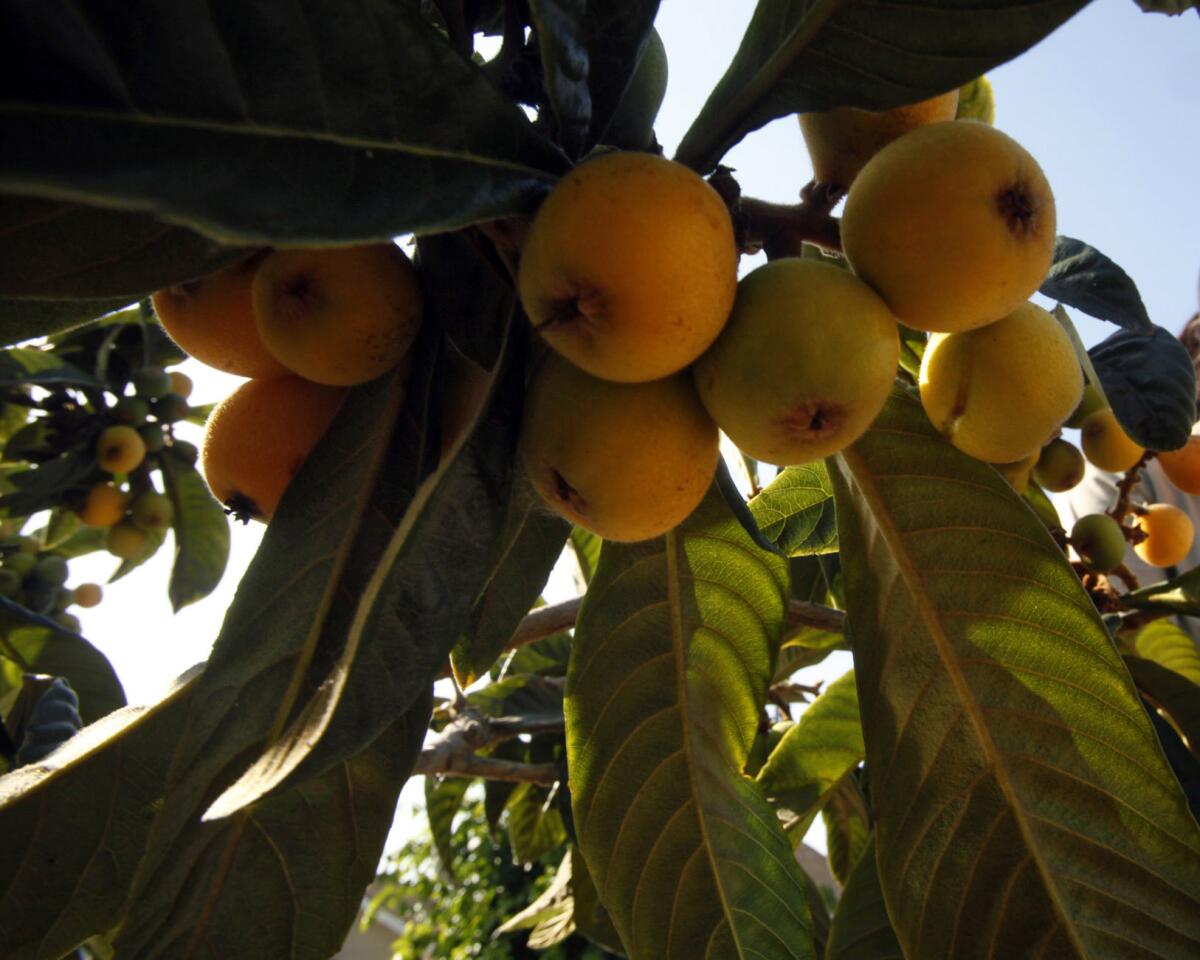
x=783 y=229
x=452 y=751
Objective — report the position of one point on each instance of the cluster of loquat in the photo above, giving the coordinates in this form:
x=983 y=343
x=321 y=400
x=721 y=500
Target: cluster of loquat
x=303 y=325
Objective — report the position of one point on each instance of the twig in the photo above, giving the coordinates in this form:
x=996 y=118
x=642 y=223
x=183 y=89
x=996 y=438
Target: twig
x=1121 y=508
x=451 y=752
x=489 y=768
x=783 y=229
x=795 y=692
x=801 y=613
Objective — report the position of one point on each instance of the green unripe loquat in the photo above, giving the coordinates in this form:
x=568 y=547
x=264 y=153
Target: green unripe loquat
x=1099 y=541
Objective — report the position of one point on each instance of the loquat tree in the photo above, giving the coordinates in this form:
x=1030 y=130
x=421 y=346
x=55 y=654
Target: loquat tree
x=1010 y=770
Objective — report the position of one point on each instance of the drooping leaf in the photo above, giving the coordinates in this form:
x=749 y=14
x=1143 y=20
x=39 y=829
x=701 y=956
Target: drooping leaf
x=823 y=747
x=1082 y=277
x=1167 y=644
x=551 y=916
x=1151 y=384
x=443 y=798
x=303 y=857
x=1005 y=742
x=45 y=647
x=534 y=824
x=1178 y=696
x=23 y=319
x=525 y=553
x=50 y=249
x=797 y=57
x=72 y=829
x=861 y=929
x=21 y=365
x=1179 y=595
x=795 y=511
x=672 y=657
x=310 y=125
x=201 y=532
x=559 y=26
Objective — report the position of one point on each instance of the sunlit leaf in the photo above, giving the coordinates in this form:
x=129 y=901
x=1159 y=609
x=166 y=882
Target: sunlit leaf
x=795 y=511
x=443 y=798
x=1168 y=644
x=1006 y=745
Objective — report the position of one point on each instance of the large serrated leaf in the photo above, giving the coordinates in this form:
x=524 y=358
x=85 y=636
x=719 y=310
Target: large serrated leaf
x=201 y=532
x=861 y=929
x=1081 y=276
x=824 y=746
x=802 y=55
x=308 y=123
x=1006 y=745
x=1150 y=382
x=303 y=857
x=795 y=511
x=55 y=250
x=672 y=657
x=70 y=863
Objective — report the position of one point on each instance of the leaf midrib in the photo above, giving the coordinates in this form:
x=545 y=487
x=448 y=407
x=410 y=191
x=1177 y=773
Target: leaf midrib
x=854 y=463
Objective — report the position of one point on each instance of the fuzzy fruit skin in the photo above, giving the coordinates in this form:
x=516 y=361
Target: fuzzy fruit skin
x=1099 y=542
x=1105 y=443
x=1182 y=466
x=1017 y=474
x=87 y=595
x=999 y=392
x=841 y=141
x=1060 y=466
x=932 y=224
x=152 y=511
x=105 y=505
x=339 y=315
x=120 y=449
x=181 y=383
x=212 y=319
x=258 y=437
x=629 y=269
x=126 y=540
x=1169 y=533
x=625 y=461
x=804 y=364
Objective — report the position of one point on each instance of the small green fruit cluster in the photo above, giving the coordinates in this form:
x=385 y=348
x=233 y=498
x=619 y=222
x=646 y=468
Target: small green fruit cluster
x=36 y=579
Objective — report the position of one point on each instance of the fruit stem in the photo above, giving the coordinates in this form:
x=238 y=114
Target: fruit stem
x=783 y=229
x=1121 y=509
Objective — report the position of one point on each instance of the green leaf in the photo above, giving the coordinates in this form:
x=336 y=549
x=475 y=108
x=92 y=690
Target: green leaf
x=586 y=546
x=72 y=828
x=45 y=647
x=551 y=916
x=672 y=657
x=154 y=540
x=308 y=125
x=823 y=747
x=1178 y=696
x=443 y=798
x=523 y=556
x=797 y=57
x=201 y=532
x=22 y=365
x=1081 y=276
x=303 y=858
x=24 y=319
x=861 y=929
x=1179 y=595
x=1005 y=742
x=1167 y=644
x=535 y=826
x=58 y=251
x=632 y=125
x=795 y=511
x=1151 y=384
x=806 y=648
x=559 y=27
x=847 y=827
x=591 y=919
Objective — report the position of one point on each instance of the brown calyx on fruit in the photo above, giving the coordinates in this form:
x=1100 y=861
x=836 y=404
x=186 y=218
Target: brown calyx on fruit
x=813 y=420
x=242 y=508
x=581 y=308
x=567 y=493
x=1020 y=210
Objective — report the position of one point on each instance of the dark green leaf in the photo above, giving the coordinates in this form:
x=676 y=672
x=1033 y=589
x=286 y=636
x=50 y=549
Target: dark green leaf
x=72 y=829
x=1178 y=696
x=529 y=544
x=323 y=124
x=847 y=827
x=443 y=798
x=302 y=857
x=201 y=532
x=534 y=824
x=861 y=929
x=617 y=32
x=21 y=365
x=591 y=919
x=559 y=27
x=45 y=647
x=797 y=57
x=1151 y=383
x=632 y=125
x=546 y=657
x=519 y=693
x=795 y=511
x=741 y=510
x=1179 y=595
x=669 y=672
x=25 y=319
x=1083 y=277
x=50 y=249
x=586 y=546
x=1005 y=742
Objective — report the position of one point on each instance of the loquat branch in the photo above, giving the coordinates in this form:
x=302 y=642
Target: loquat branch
x=452 y=751
x=782 y=229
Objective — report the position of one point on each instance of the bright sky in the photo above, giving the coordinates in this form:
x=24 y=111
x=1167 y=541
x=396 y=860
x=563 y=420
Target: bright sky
x=1108 y=105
